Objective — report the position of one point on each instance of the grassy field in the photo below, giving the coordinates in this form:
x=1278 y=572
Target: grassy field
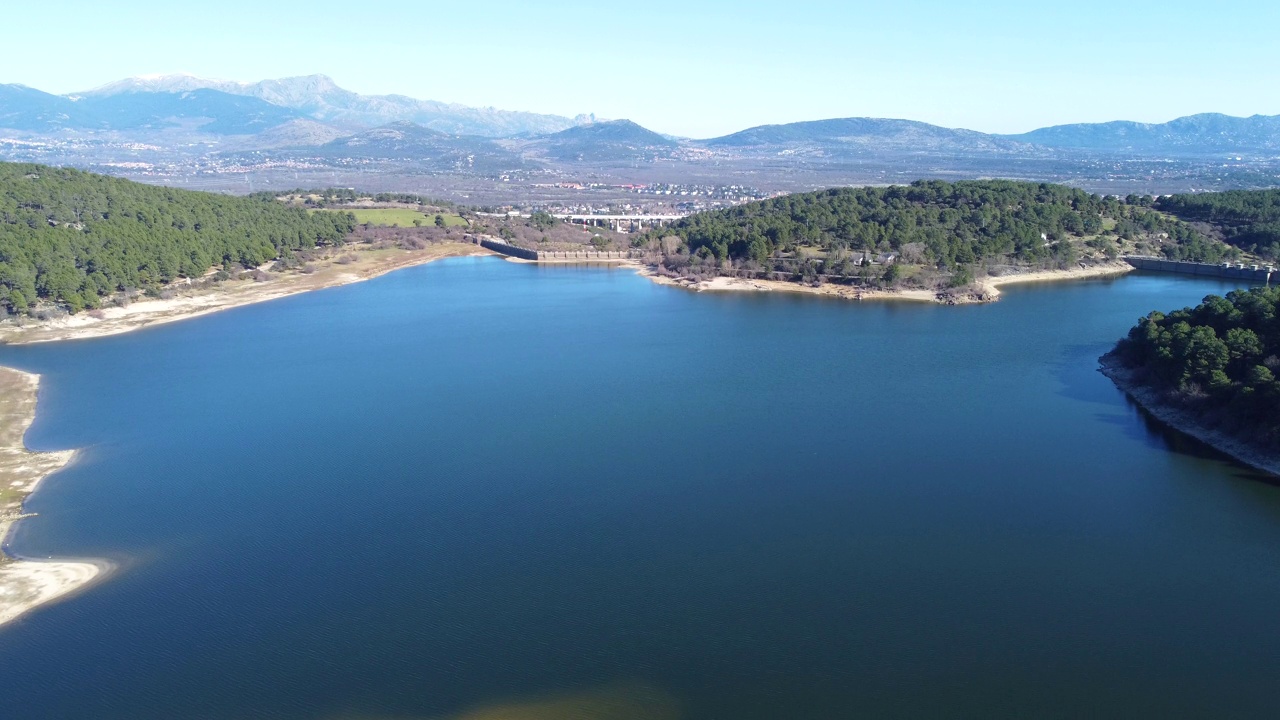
x=401 y=217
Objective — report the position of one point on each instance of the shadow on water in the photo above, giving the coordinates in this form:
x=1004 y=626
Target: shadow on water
x=1162 y=435
x=1079 y=379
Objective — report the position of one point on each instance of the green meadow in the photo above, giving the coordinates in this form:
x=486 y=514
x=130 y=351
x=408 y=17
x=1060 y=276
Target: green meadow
x=402 y=217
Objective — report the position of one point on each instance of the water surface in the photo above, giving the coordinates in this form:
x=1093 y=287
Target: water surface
x=476 y=484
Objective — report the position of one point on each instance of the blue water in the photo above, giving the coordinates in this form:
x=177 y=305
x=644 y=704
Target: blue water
x=477 y=485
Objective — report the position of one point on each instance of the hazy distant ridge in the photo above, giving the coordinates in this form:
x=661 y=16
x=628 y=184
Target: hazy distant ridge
x=319 y=98
x=867 y=134
x=313 y=115
x=1203 y=133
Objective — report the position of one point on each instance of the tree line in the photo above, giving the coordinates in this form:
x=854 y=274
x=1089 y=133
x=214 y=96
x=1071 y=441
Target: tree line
x=1219 y=358
x=1248 y=219
x=953 y=224
x=71 y=237
x=324 y=197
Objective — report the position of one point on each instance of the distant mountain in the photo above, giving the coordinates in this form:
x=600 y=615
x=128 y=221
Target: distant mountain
x=24 y=108
x=311 y=116
x=301 y=132
x=1208 y=133
x=866 y=135
x=424 y=147
x=617 y=140
x=180 y=82
x=320 y=98
x=215 y=112
x=211 y=111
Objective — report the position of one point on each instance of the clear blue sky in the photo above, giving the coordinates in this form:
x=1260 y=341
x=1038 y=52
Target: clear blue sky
x=694 y=68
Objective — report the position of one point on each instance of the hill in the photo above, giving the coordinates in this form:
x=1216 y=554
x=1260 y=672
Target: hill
x=298 y=133
x=72 y=238
x=1208 y=133
x=936 y=224
x=408 y=142
x=617 y=140
x=853 y=135
x=1248 y=219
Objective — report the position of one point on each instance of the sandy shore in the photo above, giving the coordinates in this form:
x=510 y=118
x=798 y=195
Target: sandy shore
x=364 y=264
x=1153 y=401
x=991 y=285
x=988 y=288
x=25 y=584
x=727 y=284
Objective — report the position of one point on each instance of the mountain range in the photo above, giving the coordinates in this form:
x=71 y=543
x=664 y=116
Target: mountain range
x=312 y=116
x=319 y=98
x=314 y=97
x=1206 y=133
x=877 y=135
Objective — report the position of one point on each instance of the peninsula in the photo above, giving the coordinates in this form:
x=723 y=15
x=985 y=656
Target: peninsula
x=952 y=242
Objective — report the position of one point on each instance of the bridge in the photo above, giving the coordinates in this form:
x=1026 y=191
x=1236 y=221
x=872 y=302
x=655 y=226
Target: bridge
x=619 y=223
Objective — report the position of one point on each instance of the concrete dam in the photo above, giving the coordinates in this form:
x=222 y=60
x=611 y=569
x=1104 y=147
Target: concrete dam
x=1257 y=274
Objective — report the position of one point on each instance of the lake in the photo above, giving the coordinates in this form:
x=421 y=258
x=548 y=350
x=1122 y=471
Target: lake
x=476 y=489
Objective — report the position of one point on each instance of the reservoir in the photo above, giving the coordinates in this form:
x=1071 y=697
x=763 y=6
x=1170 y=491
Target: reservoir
x=476 y=490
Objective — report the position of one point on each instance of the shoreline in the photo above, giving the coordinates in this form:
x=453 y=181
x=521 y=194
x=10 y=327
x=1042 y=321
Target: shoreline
x=847 y=292
x=151 y=312
x=1184 y=422
x=992 y=284
x=26 y=584
x=988 y=288
x=239 y=293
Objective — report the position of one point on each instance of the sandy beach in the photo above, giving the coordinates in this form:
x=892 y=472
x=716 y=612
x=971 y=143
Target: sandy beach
x=347 y=265
x=25 y=583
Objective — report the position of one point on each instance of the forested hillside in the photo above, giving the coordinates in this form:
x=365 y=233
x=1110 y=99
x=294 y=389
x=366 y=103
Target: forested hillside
x=1248 y=219
x=1219 y=359
x=951 y=224
x=72 y=237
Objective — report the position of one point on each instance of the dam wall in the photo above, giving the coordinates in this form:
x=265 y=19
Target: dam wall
x=1256 y=274
x=505 y=249
x=565 y=256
